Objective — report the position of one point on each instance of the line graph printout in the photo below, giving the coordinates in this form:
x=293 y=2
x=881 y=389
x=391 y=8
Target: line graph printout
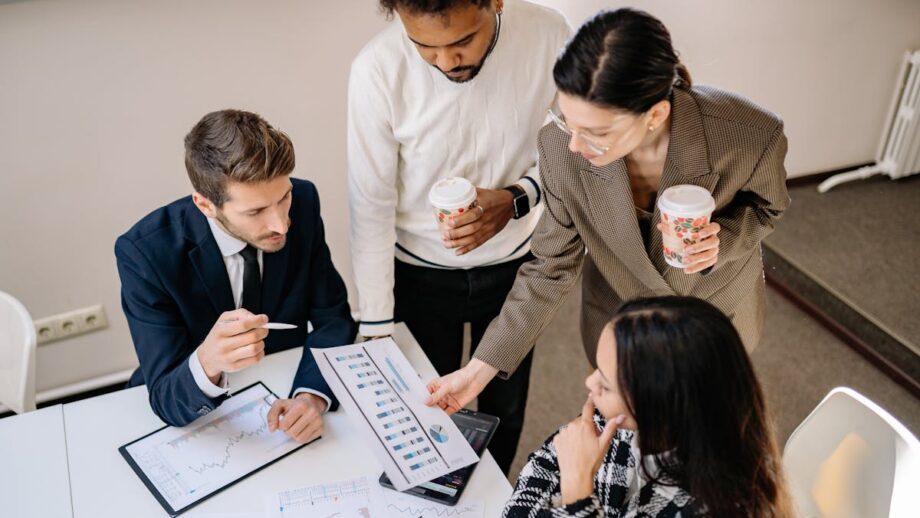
x=184 y=465
x=359 y=498
x=385 y=399
x=401 y=505
x=355 y=498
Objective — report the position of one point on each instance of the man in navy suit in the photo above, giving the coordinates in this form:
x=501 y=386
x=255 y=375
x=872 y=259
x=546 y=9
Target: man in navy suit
x=201 y=275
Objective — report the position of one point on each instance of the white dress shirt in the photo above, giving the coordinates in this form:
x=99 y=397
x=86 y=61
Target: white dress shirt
x=409 y=126
x=230 y=247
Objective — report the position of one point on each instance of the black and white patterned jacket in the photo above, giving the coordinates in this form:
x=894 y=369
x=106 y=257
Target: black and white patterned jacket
x=620 y=488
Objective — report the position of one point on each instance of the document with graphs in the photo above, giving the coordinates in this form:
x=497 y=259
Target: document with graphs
x=385 y=399
x=184 y=466
x=361 y=498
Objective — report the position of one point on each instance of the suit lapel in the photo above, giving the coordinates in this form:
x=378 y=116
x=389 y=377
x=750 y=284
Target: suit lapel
x=614 y=214
x=274 y=273
x=209 y=263
x=687 y=163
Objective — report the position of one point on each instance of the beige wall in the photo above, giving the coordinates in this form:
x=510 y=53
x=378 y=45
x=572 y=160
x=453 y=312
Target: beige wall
x=96 y=95
x=828 y=67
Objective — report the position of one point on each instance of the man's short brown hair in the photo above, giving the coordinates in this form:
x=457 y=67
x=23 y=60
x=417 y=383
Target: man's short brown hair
x=238 y=146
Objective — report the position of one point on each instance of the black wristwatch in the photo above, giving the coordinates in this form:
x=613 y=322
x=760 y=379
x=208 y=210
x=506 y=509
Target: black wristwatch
x=520 y=201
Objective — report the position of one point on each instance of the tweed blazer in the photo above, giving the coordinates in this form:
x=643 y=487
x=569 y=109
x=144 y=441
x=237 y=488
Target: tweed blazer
x=719 y=141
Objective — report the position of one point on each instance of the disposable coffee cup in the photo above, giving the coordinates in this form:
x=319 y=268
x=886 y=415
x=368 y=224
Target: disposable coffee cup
x=685 y=210
x=452 y=197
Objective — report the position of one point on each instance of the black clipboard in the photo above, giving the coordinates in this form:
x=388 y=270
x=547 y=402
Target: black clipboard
x=156 y=492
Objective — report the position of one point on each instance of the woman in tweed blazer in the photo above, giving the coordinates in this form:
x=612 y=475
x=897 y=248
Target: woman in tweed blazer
x=629 y=124
x=680 y=427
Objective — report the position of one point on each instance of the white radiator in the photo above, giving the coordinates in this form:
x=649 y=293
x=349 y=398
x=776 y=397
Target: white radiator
x=899 y=150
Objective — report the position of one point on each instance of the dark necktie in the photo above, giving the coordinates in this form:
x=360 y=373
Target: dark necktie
x=252 y=280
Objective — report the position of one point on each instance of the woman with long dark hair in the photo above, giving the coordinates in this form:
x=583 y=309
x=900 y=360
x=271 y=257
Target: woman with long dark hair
x=675 y=425
x=628 y=125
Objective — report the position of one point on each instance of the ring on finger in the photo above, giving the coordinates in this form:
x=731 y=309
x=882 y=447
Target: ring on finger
x=482 y=211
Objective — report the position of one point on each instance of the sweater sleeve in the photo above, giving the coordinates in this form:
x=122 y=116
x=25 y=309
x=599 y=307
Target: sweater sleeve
x=372 y=196
x=538 y=487
x=540 y=285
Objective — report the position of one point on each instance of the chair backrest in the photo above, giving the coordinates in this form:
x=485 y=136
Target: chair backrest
x=17 y=355
x=851 y=459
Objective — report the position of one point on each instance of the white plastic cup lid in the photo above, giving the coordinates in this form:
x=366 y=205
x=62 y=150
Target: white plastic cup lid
x=686 y=201
x=452 y=193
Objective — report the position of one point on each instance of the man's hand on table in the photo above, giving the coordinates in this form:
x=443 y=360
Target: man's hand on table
x=301 y=418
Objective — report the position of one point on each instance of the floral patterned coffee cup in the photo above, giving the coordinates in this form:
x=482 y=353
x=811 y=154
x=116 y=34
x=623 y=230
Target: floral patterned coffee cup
x=685 y=210
x=452 y=197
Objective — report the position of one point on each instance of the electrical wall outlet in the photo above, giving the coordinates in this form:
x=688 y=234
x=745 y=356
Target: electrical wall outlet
x=70 y=324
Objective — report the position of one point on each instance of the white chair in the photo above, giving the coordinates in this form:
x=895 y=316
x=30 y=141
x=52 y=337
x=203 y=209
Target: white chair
x=17 y=355
x=851 y=459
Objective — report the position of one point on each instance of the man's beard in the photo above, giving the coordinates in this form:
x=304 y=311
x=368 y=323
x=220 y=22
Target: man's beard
x=258 y=242
x=474 y=71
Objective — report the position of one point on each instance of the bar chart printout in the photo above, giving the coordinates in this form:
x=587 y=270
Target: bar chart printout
x=187 y=464
x=385 y=398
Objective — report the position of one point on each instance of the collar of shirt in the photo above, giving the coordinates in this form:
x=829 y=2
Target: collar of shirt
x=230 y=248
x=229 y=245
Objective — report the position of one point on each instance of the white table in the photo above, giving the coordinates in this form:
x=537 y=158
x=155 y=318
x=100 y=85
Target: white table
x=104 y=485
x=33 y=465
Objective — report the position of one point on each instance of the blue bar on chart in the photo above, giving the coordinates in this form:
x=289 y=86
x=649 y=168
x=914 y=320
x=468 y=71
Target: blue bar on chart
x=392 y=411
x=413 y=454
x=422 y=464
x=400 y=382
x=391 y=424
x=408 y=443
x=401 y=432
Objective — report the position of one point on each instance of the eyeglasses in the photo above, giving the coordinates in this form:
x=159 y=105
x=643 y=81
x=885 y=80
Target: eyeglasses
x=593 y=146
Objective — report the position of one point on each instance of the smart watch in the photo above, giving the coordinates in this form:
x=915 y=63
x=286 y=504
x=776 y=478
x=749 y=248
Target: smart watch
x=520 y=201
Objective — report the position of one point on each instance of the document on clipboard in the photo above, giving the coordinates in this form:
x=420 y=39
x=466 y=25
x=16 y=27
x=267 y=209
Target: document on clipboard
x=183 y=466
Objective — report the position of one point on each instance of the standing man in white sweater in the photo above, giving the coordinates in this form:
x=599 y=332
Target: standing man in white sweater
x=452 y=89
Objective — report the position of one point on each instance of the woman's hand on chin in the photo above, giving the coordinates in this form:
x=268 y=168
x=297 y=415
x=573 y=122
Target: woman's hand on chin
x=580 y=450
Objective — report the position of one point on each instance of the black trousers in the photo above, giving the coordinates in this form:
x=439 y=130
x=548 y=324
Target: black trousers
x=435 y=303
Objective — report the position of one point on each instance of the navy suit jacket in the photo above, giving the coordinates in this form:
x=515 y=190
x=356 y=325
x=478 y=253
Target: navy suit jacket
x=175 y=286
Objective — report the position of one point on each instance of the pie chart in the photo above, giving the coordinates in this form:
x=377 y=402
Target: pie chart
x=437 y=433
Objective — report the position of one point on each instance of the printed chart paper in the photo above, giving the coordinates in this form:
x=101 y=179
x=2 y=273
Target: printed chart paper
x=356 y=498
x=187 y=464
x=360 y=498
x=385 y=399
x=400 y=505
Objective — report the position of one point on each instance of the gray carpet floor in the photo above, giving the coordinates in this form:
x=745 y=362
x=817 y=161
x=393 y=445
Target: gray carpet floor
x=879 y=219
x=797 y=361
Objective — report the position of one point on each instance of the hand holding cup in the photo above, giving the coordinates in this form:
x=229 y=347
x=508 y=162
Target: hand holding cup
x=689 y=240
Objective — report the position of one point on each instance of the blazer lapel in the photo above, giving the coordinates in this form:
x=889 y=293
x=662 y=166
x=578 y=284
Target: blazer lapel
x=209 y=264
x=614 y=214
x=687 y=163
x=274 y=273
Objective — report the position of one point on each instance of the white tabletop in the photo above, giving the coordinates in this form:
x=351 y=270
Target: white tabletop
x=104 y=485
x=33 y=465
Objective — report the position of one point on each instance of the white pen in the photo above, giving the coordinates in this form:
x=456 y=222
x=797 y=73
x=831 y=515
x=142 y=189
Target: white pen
x=270 y=325
x=277 y=325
